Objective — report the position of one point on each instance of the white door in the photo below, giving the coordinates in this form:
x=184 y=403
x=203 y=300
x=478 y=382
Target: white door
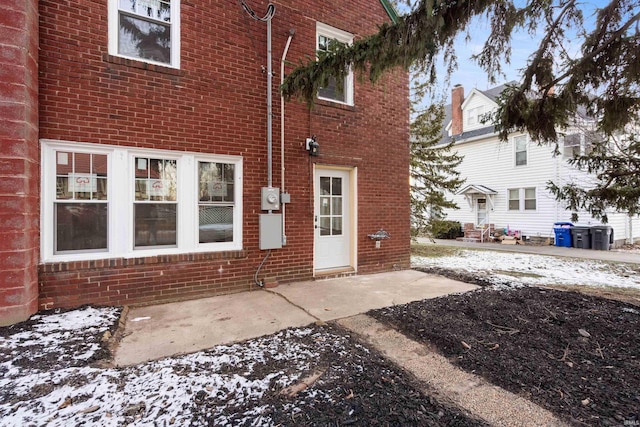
x=481 y=209
x=332 y=219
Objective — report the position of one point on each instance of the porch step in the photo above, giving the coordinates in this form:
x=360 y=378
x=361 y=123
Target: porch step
x=470 y=239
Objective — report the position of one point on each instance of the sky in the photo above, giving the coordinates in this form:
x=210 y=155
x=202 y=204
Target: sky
x=470 y=75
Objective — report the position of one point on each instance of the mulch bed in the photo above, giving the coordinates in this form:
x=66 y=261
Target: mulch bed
x=574 y=354
x=356 y=386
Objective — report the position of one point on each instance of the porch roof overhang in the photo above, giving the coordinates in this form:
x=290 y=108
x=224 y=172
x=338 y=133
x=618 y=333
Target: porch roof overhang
x=477 y=189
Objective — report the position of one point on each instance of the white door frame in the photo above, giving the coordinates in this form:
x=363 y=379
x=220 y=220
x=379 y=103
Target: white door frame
x=352 y=216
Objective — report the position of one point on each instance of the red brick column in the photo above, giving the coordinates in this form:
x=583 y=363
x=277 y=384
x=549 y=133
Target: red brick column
x=19 y=160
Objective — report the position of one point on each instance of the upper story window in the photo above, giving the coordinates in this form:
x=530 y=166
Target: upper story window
x=100 y=202
x=147 y=30
x=520 y=143
x=576 y=144
x=337 y=91
x=475 y=116
x=571 y=146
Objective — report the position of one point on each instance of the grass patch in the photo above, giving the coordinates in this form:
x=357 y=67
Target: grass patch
x=517 y=273
x=630 y=295
x=433 y=251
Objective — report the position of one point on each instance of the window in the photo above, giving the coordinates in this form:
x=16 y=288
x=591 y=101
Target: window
x=342 y=91
x=216 y=201
x=80 y=205
x=576 y=144
x=148 y=30
x=519 y=197
x=100 y=201
x=155 y=206
x=520 y=143
x=514 y=199
x=571 y=145
x=475 y=116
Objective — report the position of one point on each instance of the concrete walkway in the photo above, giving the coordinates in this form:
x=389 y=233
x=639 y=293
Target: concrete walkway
x=153 y=332
x=612 y=255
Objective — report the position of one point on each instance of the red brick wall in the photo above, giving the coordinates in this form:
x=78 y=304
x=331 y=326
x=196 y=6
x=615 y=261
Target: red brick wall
x=216 y=103
x=19 y=164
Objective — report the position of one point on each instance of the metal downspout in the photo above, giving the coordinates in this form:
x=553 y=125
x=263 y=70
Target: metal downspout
x=282 y=189
x=269 y=108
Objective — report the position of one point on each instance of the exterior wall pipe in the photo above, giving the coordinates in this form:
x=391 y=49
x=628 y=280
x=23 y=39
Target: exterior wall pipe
x=284 y=205
x=269 y=106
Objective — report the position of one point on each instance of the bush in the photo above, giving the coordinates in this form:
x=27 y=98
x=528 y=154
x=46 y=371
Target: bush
x=446 y=229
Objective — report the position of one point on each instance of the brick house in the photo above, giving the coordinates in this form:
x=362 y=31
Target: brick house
x=135 y=161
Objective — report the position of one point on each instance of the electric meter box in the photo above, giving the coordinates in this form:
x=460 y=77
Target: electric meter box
x=270 y=199
x=270 y=231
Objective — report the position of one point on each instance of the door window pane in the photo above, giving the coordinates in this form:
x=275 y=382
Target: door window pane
x=325 y=226
x=325 y=185
x=336 y=186
x=336 y=208
x=336 y=229
x=325 y=205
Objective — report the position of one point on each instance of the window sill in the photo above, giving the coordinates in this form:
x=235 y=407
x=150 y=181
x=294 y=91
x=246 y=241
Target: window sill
x=58 y=266
x=335 y=104
x=142 y=65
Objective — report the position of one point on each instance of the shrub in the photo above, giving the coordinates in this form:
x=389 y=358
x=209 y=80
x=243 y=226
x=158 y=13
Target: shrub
x=446 y=229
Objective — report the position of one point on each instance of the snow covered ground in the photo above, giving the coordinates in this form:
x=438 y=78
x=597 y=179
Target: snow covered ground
x=45 y=379
x=48 y=375
x=528 y=269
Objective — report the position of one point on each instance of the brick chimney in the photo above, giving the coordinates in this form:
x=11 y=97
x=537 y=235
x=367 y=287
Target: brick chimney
x=457 y=98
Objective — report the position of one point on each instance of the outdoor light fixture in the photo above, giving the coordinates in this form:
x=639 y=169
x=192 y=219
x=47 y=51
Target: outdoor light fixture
x=312 y=146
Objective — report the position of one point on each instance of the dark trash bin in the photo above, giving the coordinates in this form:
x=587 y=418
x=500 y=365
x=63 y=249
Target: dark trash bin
x=562 y=231
x=601 y=237
x=581 y=237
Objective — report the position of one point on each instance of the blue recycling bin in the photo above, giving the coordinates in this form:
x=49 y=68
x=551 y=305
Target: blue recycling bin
x=562 y=231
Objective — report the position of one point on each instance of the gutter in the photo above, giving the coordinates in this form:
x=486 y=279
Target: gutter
x=388 y=7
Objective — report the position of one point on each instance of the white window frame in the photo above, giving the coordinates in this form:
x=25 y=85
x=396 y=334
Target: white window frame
x=515 y=150
x=121 y=178
x=524 y=199
x=509 y=199
x=113 y=25
x=522 y=192
x=475 y=115
x=342 y=37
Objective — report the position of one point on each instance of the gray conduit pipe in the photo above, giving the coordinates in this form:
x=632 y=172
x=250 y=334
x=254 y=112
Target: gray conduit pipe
x=282 y=190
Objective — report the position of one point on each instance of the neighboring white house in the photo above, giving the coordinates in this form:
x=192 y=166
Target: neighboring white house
x=506 y=181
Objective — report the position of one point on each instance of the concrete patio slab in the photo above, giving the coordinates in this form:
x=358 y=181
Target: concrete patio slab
x=153 y=332
x=157 y=331
x=337 y=298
